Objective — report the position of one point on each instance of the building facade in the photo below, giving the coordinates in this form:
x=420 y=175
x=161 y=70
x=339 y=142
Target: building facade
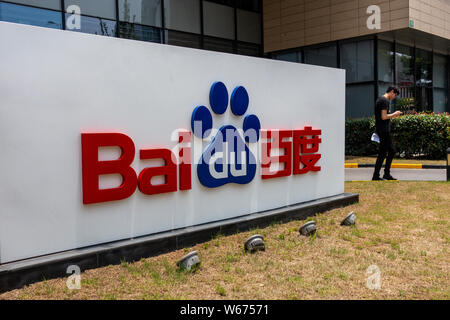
x=409 y=48
x=218 y=25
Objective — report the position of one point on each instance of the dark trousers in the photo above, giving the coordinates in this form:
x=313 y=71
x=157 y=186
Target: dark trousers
x=386 y=151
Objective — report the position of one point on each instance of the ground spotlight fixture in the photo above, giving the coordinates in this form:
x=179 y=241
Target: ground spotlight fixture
x=255 y=243
x=349 y=220
x=308 y=228
x=188 y=261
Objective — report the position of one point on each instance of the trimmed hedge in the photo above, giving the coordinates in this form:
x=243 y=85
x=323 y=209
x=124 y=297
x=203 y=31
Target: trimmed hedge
x=423 y=135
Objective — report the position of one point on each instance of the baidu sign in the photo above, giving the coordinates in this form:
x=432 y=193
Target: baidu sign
x=106 y=139
x=225 y=159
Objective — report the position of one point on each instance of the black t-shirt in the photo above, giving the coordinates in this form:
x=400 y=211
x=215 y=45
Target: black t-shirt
x=382 y=103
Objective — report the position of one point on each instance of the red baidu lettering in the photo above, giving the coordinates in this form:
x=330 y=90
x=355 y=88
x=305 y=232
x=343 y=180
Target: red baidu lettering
x=267 y=160
x=185 y=161
x=92 y=168
x=169 y=171
x=306 y=146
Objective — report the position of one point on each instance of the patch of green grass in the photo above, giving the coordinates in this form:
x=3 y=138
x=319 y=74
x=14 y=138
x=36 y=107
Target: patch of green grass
x=221 y=290
x=232 y=257
x=109 y=296
x=89 y=282
x=391 y=256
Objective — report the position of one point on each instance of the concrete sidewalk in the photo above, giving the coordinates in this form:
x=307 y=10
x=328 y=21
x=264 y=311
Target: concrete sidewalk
x=365 y=174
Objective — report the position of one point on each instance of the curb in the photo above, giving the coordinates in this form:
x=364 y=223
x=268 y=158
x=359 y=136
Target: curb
x=398 y=166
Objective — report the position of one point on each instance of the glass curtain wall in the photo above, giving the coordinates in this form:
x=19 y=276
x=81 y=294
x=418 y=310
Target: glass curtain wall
x=404 y=75
x=440 y=83
x=357 y=58
x=424 y=80
x=232 y=26
x=33 y=16
x=421 y=76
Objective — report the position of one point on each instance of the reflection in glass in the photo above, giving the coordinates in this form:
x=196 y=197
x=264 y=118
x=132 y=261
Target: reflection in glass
x=404 y=73
x=385 y=61
x=218 y=20
x=358 y=60
x=404 y=60
x=28 y=15
x=248 y=26
x=146 y=12
x=102 y=27
x=323 y=56
x=47 y=4
x=423 y=68
x=97 y=8
x=139 y=32
x=424 y=80
x=182 y=15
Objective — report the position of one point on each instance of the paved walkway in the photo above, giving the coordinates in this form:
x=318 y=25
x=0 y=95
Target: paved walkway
x=400 y=174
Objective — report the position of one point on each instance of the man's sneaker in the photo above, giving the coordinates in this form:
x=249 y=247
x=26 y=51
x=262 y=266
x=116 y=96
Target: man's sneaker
x=388 y=177
x=377 y=179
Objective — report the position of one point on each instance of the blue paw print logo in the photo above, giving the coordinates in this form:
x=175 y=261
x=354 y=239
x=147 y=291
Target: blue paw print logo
x=227 y=159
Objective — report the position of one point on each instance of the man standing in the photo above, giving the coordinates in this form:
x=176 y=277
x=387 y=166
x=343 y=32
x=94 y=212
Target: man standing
x=383 y=129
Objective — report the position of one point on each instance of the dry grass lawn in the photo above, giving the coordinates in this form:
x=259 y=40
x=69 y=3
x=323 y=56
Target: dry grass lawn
x=402 y=227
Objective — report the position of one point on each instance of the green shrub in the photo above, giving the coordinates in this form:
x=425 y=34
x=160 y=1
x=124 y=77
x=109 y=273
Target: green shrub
x=424 y=135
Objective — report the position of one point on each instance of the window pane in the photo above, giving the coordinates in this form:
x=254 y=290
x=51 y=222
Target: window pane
x=360 y=101
x=252 y=5
x=183 y=39
x=439 y=100
x=217 y=45
x=325 y=56
x=98 y=26
x=32 y=16
x=385 y=61
x=439 y=71
x=139 y=32
x=182 y=15
x=404 y=60
x=48 y=4
x=97 y=8
x=289 y=56
x=218 y=20
x=423 y=68
x=248 y=26
x=423 y=98
x=358 y=61
x=146 y=12
x=248 y=49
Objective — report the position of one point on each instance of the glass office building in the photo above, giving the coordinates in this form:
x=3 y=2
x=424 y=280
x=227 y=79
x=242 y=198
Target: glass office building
x=232 y=26
x=409 y=48
x=325 y=33
x=373 y=64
